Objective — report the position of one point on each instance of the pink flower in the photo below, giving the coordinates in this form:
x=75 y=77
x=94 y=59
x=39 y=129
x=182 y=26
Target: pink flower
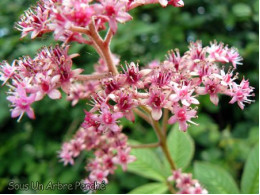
x=176 y=3
x=78 y=12
x=123 y=158
x=99 y=176
x=108 y=163
x=154 y=64
x=176 y=174
x=66 y=155
x=174 y=57
x=182 y=115
x=185 y=184
x=183 y=94
x=157 y=100
x=47 y=86
x=218 y=52
x=62 y=61
x=161 y=78
x=234 y=57
x=113 y=84
x=113 y=11
x=240 y=93
x=133 y=75
x=108 y=120
x=77 y=145
x=21 y=103
x=212 y=87
x=6 y=71
x=34 y=20
x=125 y=104
x=91 y=120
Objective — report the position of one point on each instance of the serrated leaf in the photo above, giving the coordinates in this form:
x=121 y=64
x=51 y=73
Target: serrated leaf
x=181 y=147
x=250 y=177
x=215 y=179
x=147 y=164
x=151 y=188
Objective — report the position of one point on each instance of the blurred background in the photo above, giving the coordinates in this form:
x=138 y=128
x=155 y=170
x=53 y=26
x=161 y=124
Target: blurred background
x=28 y=150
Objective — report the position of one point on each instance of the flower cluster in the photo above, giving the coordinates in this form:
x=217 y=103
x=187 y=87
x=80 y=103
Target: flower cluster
x=185 y=184
x=33 y=78
x=110 y=150
x=173 y=84
x=62 y=16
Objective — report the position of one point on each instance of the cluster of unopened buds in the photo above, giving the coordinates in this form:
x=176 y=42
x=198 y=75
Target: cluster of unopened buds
x=185 y=184
x=173 y=84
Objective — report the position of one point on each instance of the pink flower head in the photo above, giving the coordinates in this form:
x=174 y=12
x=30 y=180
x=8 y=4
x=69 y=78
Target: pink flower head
x=174 y=57
x=183 y=94
x=108 y=163
x=34 y=20
x=133 y=75
x=157 y=100
x=62 y=61
x=99 y=176
x=65 y=154
x=185 y=184
x=77 y=145
x=91 y=120
x=240 y=93
x=113 y=84
x=21 y=103
x=234 y=57
x=176 y=174
x=218 y=52
x=161 y=78
x=196 y=51
x=113 y=11
x=198 y=189
x=212 y=87
x=227 y=79
x=123 y=158
x=6 y=71
x=182 y=115
x=108 y=120
x=125 y=104
x=78 y=12
x=176 y=3
x=154 y=64
x=47 y=86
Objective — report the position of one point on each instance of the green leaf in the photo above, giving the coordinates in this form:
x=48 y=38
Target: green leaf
x=181 y=147
x=250 y=177
x=147 y=164
x=215 y=179
x=151 y=188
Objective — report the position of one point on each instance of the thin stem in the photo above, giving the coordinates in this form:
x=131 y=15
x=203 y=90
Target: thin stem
x=165 y=120
x=93 y=77
x=162 y=139
x=80 y=30
x=143 y=115
x=109 y=36
x=151 y=145
x=164 y=146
